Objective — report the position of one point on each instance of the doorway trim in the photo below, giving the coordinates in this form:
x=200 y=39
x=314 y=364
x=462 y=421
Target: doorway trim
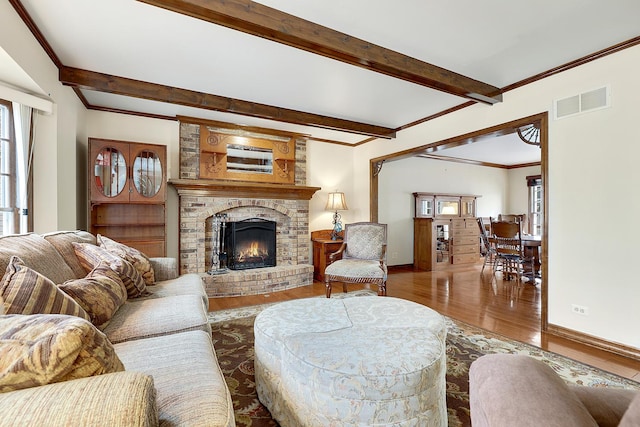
x=541 y=119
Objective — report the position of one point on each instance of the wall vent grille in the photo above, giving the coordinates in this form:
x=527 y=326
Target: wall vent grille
x=596 y=99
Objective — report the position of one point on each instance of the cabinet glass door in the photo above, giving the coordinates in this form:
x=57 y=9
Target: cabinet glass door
x=442 y=244
x=424 y=207
x=147 y=173
x=449 y=207
x=468 y=206
x=110 y=171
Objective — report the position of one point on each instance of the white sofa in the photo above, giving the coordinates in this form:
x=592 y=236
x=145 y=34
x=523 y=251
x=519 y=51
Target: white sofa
x=171 y=376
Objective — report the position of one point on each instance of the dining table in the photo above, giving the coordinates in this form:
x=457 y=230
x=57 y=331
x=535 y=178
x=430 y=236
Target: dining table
x=532 y=246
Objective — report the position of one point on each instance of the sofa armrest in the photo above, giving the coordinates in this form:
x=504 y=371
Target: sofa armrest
x=513 y=390
x=121 y=398
x=164 y=268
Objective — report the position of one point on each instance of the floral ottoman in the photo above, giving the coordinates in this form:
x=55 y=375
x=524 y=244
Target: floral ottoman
x=364 y=361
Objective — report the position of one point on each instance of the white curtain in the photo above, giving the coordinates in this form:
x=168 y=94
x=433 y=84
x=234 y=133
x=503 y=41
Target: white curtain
x=22 y=117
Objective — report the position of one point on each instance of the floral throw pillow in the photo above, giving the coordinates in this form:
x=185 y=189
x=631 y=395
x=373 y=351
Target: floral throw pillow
x=139 y=260
x=101 y=293
x=91 y=255
x=48 y=348
x=25 y=291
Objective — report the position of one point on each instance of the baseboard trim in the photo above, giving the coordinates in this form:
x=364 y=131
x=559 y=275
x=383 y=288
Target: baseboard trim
x=599 y=343
x=400 y=267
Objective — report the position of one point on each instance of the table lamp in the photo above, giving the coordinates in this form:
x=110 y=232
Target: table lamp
x=336 y=202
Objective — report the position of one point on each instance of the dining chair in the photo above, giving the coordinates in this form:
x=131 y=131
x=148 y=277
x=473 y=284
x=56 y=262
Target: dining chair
x=522 y=218
x=488 y=250
x=506 y=241
x=364 y=253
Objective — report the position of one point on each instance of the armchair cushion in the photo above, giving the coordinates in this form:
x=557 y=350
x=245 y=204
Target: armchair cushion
x=356 y=270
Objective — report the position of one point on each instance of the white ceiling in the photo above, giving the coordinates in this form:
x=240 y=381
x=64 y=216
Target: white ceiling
x=494 y=41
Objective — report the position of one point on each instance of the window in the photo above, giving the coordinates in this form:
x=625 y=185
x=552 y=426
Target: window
x=534 y=184
x=14 y=168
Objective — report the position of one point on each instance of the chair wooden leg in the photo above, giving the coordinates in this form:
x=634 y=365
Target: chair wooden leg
x=382 y=289
x=344 y=287
x=327 y=285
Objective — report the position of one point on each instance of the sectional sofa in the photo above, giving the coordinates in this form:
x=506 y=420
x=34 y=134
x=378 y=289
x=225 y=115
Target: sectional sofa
x=146 y=359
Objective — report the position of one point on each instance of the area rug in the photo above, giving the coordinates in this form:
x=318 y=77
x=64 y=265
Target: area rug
x=233 y=340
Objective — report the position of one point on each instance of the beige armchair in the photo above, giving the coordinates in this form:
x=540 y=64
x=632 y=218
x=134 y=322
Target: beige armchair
x=363 y=257
x=508 y=390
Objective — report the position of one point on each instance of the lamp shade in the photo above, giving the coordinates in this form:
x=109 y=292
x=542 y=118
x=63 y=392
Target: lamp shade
x=336 y=202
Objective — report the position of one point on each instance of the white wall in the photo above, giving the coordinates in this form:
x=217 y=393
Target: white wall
x=591 y=168
x=518 y=196
x=399 y=179
x=329 y=166
x=55 y=157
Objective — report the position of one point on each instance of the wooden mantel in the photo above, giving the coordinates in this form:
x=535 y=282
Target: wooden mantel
x=255 y=190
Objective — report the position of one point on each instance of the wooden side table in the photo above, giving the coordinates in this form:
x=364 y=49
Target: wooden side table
x=323 y=246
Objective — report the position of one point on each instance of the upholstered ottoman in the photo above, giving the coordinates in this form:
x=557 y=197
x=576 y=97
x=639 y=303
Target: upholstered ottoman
x=362 y=361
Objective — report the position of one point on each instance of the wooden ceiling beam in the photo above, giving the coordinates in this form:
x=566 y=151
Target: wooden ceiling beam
x=90 y=80
x=262 y=21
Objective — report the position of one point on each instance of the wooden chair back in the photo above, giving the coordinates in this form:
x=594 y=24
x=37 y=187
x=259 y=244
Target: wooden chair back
x=506 y=238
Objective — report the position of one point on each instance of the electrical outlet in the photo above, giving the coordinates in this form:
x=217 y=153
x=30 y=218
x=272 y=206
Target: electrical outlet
x=580 y=309
x=394 y=255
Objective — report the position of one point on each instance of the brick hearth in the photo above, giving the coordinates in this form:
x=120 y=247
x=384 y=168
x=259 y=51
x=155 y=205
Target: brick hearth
x=287 y=205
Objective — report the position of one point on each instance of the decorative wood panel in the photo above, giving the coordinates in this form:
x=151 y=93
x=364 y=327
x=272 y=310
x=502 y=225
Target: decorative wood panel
x=246 y=158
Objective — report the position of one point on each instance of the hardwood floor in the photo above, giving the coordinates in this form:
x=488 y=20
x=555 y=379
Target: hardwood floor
x=501 y=307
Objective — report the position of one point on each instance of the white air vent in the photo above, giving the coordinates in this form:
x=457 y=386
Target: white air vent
x=582 y=103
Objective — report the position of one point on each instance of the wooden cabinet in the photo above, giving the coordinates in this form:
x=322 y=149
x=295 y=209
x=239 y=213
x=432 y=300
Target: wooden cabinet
x=465 y=241
x=323 y=246
x=127 y=191
x=445 y=231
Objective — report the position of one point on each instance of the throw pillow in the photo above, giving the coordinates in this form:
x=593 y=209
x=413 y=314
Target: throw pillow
x=25 y=291
x=139 y=260
x=47 y=348
x=101 y=293
x=91 y=255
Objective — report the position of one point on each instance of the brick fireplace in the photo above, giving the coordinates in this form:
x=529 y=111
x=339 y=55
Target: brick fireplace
x=286 y=205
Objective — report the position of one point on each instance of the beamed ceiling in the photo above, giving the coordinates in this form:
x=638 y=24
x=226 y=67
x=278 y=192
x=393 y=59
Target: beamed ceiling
x=340 y=71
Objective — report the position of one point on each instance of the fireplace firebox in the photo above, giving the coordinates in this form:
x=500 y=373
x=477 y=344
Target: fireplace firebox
x=250 y=243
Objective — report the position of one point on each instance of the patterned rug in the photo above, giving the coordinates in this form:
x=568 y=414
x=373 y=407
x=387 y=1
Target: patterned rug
x=233 y=340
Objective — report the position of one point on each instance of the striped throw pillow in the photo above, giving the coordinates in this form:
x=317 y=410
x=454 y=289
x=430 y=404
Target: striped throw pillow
x=139 y=260
x=101 y=293
x=25 y=291
x=91 y=255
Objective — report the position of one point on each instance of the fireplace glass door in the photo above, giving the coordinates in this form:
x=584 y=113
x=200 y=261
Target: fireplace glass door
x=251 y=243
